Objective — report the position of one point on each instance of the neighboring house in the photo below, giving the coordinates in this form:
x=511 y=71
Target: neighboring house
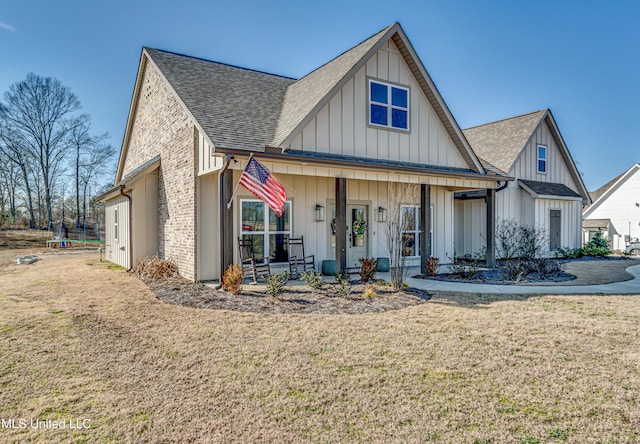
x=615 y=211
x=548 y=191
x=337 y=139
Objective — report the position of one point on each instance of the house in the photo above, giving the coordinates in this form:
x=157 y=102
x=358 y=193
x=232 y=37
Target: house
x=548 y=191
x=615 y=211
x=339 y=139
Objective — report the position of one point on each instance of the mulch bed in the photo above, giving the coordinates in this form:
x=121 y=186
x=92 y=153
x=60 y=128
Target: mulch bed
x=495 y=276
x=295 y=299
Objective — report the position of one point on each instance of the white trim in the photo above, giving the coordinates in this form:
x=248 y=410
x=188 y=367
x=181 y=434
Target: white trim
x=389 y=105
x=265 y=232
x=545 y=159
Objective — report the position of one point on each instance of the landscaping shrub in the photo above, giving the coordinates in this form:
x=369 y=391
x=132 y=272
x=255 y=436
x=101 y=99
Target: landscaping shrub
x=597 y=247
x=232 y=279
x=514 y=270
x=433 y=263
x=370 y=292
x=570 y=253
x=514 y=240
x=368 y=267
x=344 y=286
x=276 y=283
x=312 y=278
x=153 y=268
x=465 y=269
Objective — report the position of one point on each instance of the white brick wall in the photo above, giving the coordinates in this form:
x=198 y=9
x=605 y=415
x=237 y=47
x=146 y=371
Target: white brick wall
x=161 y=126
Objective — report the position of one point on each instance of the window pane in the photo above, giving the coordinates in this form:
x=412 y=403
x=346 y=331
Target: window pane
x=278 y=247
x=378 y=115
x=542 y=166
x=379 y=93
x=542 y=152
x=257 y=240
x=408 y=218
x=399 y=118
x=252 y=216
x=280 y=223
x=399 y=97
x=409 y=244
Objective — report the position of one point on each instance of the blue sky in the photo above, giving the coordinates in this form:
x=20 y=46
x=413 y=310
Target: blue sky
x=490 y=59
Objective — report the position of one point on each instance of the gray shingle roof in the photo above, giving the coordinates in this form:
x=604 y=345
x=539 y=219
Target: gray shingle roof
x=595 y=195
x=304 y=95
x=499 y=143
x=236 y=107
x=244 y=109
x=549 y=188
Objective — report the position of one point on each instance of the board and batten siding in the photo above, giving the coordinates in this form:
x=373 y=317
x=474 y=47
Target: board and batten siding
x=571 y=221
x=526 y=166
x=305 y=192
x=341 y=126
x=117 y=247
x=207 y=162
x=208 y=227
x=145 y=217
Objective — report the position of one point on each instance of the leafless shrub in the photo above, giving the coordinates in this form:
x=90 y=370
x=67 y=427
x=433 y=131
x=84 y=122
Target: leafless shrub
x=515 y=240
x=399 y=194
x=152 y=268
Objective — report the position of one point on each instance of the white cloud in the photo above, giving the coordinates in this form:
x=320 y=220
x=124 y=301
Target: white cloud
x=7 y=27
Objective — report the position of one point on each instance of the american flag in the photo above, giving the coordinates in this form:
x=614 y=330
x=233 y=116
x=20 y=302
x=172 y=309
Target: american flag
x=257 y=179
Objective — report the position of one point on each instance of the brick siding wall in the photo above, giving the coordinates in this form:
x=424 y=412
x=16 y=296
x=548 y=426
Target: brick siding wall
x=161 y=126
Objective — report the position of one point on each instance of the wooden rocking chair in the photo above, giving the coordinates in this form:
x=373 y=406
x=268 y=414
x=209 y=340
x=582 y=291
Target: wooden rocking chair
x=298 y=262
x=250 y=267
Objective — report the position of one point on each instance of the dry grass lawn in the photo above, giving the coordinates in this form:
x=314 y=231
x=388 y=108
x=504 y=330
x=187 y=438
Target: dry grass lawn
x=82 y=340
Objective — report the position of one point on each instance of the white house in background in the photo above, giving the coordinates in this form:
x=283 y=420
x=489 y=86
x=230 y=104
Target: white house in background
x=337 y=139
x=548 y=191
x=615 y=210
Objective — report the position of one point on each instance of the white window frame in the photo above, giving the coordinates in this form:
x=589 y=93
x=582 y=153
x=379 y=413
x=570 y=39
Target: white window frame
x=266 y=232
x=389 y=105
x=417 y=229
x=545 y=159
x=115 y=224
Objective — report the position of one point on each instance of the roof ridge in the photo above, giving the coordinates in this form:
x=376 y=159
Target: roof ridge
x=243 y=68
x=507 y=118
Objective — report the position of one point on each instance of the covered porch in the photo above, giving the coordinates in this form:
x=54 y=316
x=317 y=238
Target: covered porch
x=328 y=203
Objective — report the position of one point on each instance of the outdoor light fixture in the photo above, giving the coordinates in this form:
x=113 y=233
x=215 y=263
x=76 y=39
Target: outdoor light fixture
x=382 y=214
x=319 y=213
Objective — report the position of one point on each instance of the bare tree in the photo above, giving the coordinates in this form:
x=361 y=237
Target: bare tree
x=9 y=183
x=38 y=111
x=93 y=166
x=17 y=154
x=399 y=195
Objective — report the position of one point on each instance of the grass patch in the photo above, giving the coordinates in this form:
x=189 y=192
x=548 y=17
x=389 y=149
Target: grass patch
x=455 y=369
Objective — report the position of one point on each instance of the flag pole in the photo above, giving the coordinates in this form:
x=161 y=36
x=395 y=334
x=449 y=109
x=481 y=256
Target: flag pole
x=237 y=185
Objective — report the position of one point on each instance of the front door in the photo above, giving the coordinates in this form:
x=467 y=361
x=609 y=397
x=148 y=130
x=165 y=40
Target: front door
x=357 y=234
x=555 y=224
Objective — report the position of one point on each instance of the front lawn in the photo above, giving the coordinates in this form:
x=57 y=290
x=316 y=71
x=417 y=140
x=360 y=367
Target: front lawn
x=82 y=341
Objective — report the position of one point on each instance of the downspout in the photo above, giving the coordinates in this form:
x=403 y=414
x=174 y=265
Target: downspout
x=130 y=226
x=222 y=205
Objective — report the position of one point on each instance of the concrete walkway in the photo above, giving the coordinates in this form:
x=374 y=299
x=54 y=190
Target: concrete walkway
x=588 y=273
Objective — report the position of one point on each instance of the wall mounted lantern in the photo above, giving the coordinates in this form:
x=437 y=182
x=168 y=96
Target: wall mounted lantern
x=319 y=213
x=382 y=214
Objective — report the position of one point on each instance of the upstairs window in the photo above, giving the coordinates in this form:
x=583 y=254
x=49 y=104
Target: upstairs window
x=542 y=159
x=388 y=105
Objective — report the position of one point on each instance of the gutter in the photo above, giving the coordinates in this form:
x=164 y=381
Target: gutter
x=130 y=226
x=222 y=206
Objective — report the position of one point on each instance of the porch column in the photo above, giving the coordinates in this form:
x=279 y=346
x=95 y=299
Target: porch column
x=341 y=224
x=490 y=200
x=226 y=222
x=425 y=228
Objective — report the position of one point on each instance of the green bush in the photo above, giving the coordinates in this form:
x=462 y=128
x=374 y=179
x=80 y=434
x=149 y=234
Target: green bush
x=344 y=286
x=312 y=278
x=597 y=247
x=276 y=283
